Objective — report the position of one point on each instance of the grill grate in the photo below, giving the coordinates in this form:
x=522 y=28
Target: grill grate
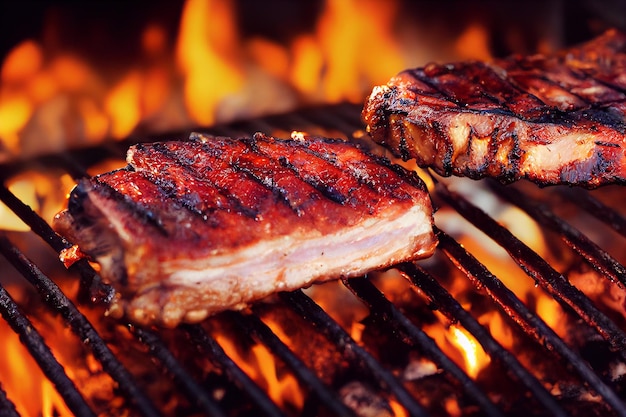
x=227 y=389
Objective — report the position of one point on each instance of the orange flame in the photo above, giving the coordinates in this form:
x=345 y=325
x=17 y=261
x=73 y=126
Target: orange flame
x=205 y=49
x=261 y=366
x=218 y=76
x=367 y=26
x=475 y=357
x=26 y=385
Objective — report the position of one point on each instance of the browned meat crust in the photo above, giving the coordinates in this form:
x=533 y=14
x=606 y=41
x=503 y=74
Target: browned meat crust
x=192 y=228
x=557 y=119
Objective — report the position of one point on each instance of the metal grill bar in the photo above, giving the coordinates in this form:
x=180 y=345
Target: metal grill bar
x=453 y=310
x=32 y=219
x=537 y=268
x=597 y=209
x=35 y=344
x=529 y=322
x=7 y=408
x=58 y=301
x=194 y=392
x=335 y=333
x=329 y=399
x=598 y=258
x=208 y=345
x=377 y=303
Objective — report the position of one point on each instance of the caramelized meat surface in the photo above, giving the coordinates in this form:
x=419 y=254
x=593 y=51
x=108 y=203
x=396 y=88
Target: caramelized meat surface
x=192 y=228
x=558 y=119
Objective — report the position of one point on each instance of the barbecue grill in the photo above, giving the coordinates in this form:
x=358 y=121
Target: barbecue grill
x=373 y=356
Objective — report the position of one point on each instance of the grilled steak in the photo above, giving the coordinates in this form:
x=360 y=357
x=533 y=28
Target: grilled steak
x=192 y=228
x=558 y=119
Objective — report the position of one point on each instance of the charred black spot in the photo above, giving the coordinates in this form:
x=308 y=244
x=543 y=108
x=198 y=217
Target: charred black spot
x=606 y=118
x=608 y=144
x=79 y=193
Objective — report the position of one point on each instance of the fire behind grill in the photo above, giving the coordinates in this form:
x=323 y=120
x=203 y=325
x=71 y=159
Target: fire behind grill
x=545 y=373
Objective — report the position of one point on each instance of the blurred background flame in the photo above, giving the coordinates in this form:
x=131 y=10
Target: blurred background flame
x=80 y=73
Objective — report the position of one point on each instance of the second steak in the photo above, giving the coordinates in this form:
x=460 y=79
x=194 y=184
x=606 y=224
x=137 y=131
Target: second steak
x=558 y=119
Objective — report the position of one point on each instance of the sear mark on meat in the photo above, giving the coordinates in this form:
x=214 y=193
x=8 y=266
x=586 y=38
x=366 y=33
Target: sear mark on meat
x=192 y=228
x=558 y=119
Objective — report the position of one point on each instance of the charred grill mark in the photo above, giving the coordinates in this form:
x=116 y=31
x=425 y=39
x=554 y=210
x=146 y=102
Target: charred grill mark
x=603 y=117
x=368 y=170
x=168 y=187
x=287 y=150
x=268 y=182
x=513 y=99
x=330 y=167
x=586 y=77
x=403 y=146
x=326 y=190
x=605 y=82
x=170 y=190
x=563 y=89
x=608 y=144
x=515 y=159
x=419 y=74
x=446 y=159
x=266 y=173
x=493 y=147
x=468 y=85
x=135 y=208
x=235 y=202
x=519 y=102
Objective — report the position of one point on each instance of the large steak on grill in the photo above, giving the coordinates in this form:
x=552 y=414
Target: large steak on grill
x=191 y=228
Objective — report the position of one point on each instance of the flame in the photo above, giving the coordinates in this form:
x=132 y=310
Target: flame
x=473 y=43
x=218 y=75
x=367 y=26
x=25 y=384
x=474 y=356
x=122 y=105
x=260 y=365
x=551 y=312
x=500 y=331
x=45 y=194
x=206 y=42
